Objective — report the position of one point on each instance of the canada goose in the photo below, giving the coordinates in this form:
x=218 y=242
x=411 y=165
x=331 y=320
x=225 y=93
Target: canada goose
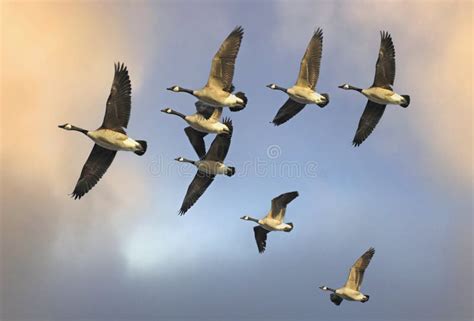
x=380 y=93
x=218 y=90
x=303 y=92
x=273 y=221
x=209 y=166
x=350 y=290
x=110 y=137
x=201 y=123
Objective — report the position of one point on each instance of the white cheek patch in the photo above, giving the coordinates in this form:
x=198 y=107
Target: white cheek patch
x=273 y=86
x=176 y=89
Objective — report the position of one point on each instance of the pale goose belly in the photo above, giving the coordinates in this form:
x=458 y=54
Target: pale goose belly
x=383 y=96
x=212 y=167
x=271 y=224
x=349 y=294
x=113 y=140
x=206 y=125
x=305 y=96
x=218 y=98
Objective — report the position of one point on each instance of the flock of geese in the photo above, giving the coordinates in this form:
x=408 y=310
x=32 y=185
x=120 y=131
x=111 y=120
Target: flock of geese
x=217 y=94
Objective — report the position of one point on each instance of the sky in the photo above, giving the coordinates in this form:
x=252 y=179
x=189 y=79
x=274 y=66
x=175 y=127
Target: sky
x=123 y=253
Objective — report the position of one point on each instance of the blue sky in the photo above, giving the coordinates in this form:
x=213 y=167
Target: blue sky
x=122 y=252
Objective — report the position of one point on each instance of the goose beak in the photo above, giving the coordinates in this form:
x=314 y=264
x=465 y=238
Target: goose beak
x=269 y=86
x=341 y=86
x=62 y=126
x=169 y=88
x=164 y=110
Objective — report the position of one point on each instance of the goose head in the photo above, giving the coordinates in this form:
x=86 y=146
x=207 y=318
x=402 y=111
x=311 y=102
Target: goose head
x=170 y=111
x=272 y=86
x=276 y=87
x=167 y=110
x=245 y=218
x=174 y=88
x=349 y=87
x=345 y=86
x=325 y=288
x=184 y=160
x=66 y=126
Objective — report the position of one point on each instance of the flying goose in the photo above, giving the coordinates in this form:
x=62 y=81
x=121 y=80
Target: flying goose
x=201 y=123
x=380 y=93
x=351 y=290
x=273 y=221
x=303 y=93
x=110 y=137
x=209 y=166
x=218 y=90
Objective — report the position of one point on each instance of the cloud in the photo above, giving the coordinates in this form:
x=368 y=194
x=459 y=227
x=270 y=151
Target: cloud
x=434 y=65
x=130 y=251
x=48 y=51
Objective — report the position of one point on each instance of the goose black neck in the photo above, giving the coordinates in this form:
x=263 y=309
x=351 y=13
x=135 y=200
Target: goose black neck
x=329 y=289
x=189 y=161
x=79 y=129
x=253 y=219
x=185 y=90
x=173 y=112
x=285 y=90
x=355 y=88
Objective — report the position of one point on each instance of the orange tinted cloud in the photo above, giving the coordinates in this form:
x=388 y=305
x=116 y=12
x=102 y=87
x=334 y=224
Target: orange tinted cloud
x=438 y=72
x=48 y=52
x=57 y=67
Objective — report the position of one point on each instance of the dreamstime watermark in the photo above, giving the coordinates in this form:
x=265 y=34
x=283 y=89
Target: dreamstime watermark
x=272 y=165
x=273 y=151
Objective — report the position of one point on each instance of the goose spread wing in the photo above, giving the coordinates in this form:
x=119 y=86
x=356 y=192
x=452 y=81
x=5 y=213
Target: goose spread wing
x=223 y=63
x=117 y=112
x=280 y=202
x=203 y=109
x=196 y=138
x=309 y=68
x=356 y=274
x=195 y=190
x=385 y=66
x=369 y=119
x=287 y=111
x=260 y=238
x=95 y=167
x=220 y=146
